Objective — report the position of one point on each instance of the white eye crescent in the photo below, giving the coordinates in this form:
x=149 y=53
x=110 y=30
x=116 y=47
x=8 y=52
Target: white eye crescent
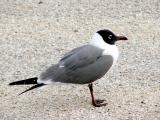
x=110 y=37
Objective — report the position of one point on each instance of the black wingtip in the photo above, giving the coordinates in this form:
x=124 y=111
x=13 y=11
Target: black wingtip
x=13 y=83
x=25 y=82
x=33 y=87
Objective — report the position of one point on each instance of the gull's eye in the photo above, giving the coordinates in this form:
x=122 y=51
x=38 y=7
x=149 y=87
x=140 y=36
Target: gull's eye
x=110 y=37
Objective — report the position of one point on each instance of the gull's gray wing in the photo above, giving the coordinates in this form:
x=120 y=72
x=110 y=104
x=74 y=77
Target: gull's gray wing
x=81 y=57
x=82 y=65
x=75 y=50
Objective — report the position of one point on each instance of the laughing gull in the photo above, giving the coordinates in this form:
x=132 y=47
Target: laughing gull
x=82 y=65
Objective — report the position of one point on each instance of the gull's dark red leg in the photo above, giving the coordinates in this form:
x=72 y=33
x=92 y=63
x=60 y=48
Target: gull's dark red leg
x=95 y=102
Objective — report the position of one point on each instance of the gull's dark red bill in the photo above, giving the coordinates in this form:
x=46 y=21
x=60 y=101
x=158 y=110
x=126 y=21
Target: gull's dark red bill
x=121 y=38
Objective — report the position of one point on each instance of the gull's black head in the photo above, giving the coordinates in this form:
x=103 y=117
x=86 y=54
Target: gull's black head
x=109 y=37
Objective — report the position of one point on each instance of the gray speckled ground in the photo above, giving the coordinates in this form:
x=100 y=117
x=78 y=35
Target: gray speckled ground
x=33 y=36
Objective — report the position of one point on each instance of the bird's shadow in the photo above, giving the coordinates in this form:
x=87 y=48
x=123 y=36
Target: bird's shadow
x=48 y=101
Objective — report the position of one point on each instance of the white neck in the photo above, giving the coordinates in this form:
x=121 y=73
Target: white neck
x=108 y=49
x=98 y=41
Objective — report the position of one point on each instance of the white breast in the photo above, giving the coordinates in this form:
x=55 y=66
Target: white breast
x=113 y=51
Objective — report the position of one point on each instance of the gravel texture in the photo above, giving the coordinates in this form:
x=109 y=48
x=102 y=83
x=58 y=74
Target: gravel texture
x=34 y=34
